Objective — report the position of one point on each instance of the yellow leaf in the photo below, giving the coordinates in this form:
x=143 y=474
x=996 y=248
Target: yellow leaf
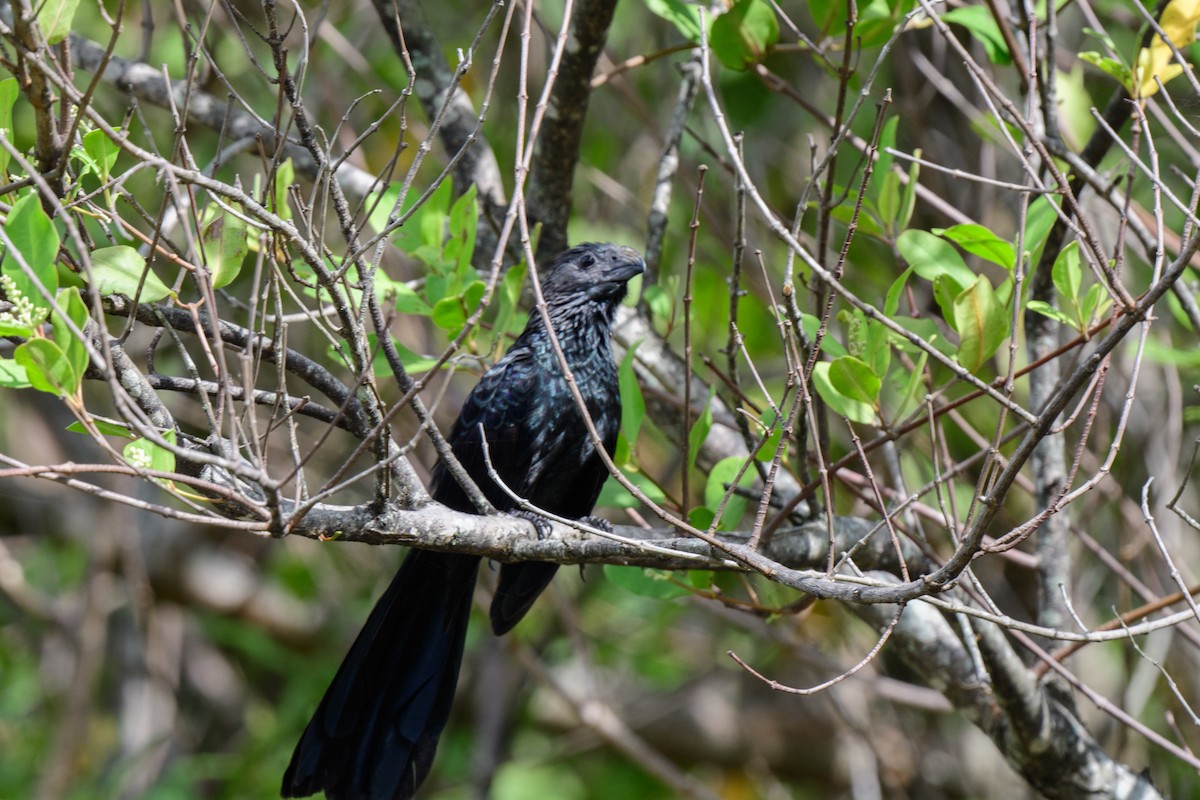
x=1155 y=61
x=1179 y=21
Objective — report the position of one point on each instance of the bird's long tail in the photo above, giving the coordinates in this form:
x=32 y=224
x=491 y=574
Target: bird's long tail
x=375 y=732
x=520 y=584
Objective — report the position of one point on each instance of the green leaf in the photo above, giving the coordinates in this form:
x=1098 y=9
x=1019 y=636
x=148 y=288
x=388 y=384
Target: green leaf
x=908 y=200
x=829 y=345
x=13 y=375
x=508 y=318
x=980 y=23
x=978 y=240
x=911 y=393
x=742 y=35
x=9 y=91
x=89 y=164
x=700 y=429
x=891 y=303
x=766 y=451
x=829 y=15
x=145 y=454
x=1042 y=214
x=876 y=21
x=76 y=352
x=884 y=187
x=683 y=15
x=514 y=281
x=868 y=221
x=701 y=517
x=719 y=479
x=438 y=287
x=614 y=495
x=47 y=368
x=103 y=426
x=621 y=453
x=431 y=219
x=285 y=176
x=460 y=246
x=380 y=205
x=1068 y=275
x=422 y=233
x=945 y=290
x=1096 y=303
x=103 y=150
x=855 y=324
x=1114 y=68
x=119 y=269
x=927 y=329
x=878 y=350
x=1047 y=310
x=878 y=187
x=931 y=256
x=982 y=324
x=16 y=329
x=841 y=405
x=413 y=362
x=473 y=295
x=450 y=313
x=855 y=380
x=889 y=201
x=633 y=405
x=400 y=295
x=224 y=244
x=1004 y=292
x=54 y=18
x=33 y=236
x=1100 y=36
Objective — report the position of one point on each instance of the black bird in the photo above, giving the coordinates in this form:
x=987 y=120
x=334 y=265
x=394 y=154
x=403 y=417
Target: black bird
x=374 y=735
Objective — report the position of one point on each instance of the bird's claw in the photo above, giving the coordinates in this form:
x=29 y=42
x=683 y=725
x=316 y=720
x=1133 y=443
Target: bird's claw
x=540 y=523
x=597 y=522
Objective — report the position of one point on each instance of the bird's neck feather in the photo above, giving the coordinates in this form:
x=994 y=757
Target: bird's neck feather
x=581 y=328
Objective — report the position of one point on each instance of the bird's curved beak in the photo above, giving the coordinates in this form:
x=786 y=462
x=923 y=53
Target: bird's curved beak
x=630 y=266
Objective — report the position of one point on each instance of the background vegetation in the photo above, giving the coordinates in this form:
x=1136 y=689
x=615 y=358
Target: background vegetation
x=909 y=388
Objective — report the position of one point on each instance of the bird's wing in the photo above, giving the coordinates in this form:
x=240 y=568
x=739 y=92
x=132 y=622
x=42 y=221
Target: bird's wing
x=565 y=474
x=501 y=404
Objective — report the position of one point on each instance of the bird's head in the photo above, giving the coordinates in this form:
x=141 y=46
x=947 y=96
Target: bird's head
x=591 y=272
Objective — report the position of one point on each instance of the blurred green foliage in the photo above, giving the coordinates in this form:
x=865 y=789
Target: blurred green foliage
x=648 y=633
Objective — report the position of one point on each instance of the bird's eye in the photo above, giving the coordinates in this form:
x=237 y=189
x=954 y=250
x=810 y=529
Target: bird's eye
x=587 y=261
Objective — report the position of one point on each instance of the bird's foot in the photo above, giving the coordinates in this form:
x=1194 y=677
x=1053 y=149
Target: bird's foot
x=540 y=523
x=597 y=522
